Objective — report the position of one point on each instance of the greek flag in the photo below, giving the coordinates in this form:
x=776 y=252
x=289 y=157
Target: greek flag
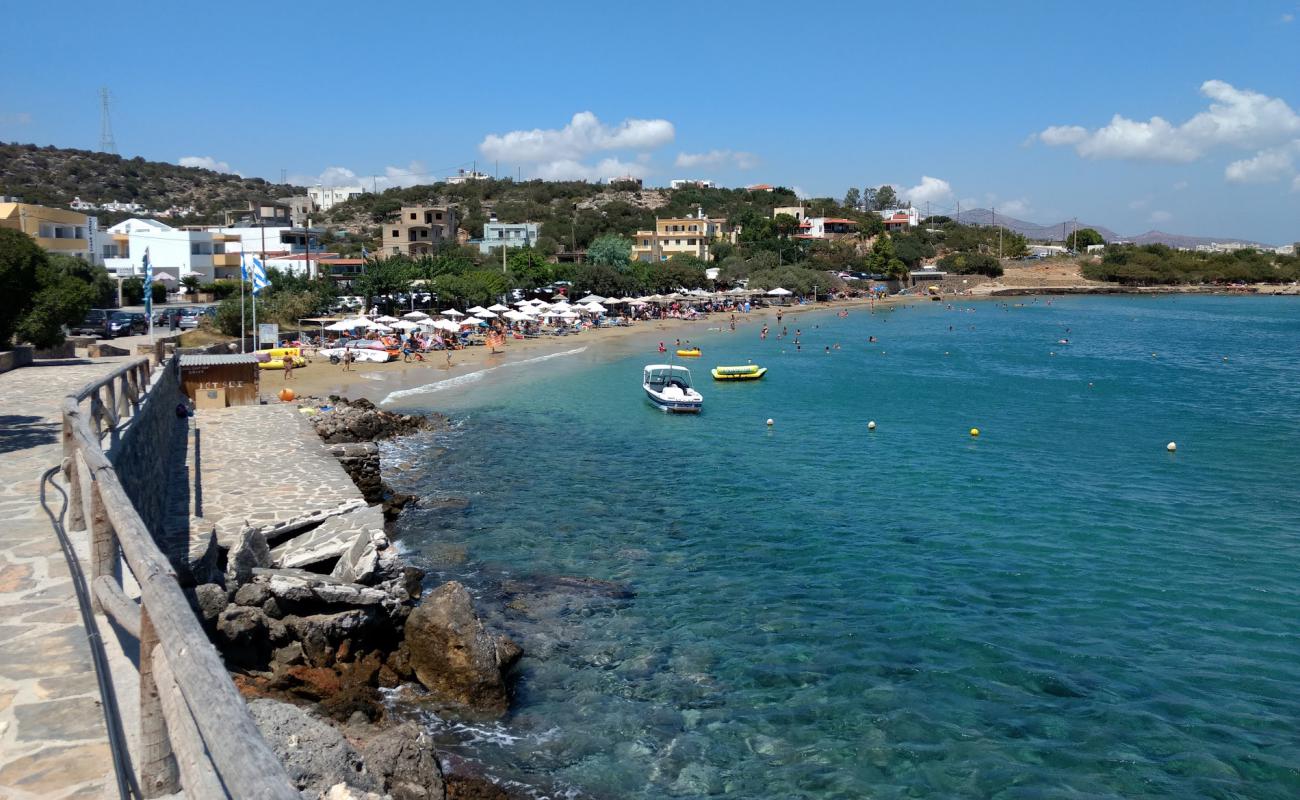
x=243 y=268
x=364 y=252
x=148 y=287
x=260 y=280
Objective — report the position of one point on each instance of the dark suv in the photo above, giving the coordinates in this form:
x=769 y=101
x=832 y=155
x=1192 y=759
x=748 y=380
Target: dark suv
x=96 y=323
x=125 y=323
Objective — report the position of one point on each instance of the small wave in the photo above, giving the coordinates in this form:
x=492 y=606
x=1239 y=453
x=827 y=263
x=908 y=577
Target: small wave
x=473 y=377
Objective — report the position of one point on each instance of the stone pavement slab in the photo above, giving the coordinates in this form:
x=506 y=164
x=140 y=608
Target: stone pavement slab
x=330 y=540
x=53 y=742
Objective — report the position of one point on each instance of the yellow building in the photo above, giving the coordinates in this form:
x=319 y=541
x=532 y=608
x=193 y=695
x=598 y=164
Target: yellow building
x=692 y=236
x=54 y=229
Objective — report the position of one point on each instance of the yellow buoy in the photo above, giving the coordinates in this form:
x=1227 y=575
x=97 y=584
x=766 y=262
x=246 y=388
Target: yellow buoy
x=974 y=431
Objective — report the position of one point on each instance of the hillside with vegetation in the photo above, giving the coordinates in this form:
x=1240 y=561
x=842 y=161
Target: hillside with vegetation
x=53 y=176
x=1160 y=265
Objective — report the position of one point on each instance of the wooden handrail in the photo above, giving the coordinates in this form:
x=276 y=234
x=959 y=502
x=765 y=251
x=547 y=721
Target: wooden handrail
x=219 y=726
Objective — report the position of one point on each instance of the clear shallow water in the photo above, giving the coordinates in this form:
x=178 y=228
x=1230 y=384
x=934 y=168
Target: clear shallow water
x=1059 y=608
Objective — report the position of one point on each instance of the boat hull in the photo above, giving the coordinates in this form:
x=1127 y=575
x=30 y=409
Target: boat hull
x=673 y=406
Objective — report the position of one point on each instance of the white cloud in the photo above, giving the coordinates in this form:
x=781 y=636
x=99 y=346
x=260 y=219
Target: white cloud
x=1158 y=217
x=1140 y=203
x=410 y=175
x=929 y=190
x=585 y=134
x=573 y=170
x=1266 y=166
x=1295 y=184
x=717 y=158
x=205 y=162
x=19 y=118
x=1288 y=18
x=1238 y=118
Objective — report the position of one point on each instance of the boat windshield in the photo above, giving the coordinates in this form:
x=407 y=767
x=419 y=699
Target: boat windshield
x=659 y=377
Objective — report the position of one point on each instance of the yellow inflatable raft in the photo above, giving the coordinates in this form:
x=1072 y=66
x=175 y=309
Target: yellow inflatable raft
x=278 y=363
x=694 y=352
x=748 y=372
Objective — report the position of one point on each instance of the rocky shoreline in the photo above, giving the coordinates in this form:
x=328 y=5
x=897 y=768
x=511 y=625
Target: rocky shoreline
x=316 y=627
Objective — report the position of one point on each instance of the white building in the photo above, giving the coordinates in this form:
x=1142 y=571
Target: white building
x=800 y=213
x=899 y=218
x=462 y=176
x=679 y=183
x=326 y=197
x=175 y=252
x=507 y=234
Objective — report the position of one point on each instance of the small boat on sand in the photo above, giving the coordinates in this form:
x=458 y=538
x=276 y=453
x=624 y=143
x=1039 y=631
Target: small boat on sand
x=668 y=388
x=693 y=352
x=747 y=372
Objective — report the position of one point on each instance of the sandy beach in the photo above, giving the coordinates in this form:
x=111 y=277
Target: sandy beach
x=376 y=381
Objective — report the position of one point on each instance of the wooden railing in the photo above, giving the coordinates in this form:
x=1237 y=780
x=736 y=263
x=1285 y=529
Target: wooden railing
x=195 y=732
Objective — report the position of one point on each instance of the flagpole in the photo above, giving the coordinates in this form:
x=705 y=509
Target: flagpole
x=148 y=299
x=257 y=345
x=243 y=275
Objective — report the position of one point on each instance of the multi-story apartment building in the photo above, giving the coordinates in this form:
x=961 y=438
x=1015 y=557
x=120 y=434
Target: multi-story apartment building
x=507 y=234
x=55 y=230
x=326 y=197
x=174 y=252
x=418 y=229
x=693 y=236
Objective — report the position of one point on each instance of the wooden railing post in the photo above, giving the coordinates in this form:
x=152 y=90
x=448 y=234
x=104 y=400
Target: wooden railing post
x=103 y=543
x=158 y=772
x=76 y=518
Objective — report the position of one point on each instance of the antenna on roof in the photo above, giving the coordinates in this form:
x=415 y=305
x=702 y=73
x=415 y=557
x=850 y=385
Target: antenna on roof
x=106 y=142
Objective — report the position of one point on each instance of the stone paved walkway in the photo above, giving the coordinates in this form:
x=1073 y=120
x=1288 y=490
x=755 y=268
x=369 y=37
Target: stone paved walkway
x=52 y=736
x=261 y=465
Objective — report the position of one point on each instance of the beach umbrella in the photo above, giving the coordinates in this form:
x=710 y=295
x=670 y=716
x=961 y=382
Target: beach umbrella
x=779 y=292
x=472 y=321
x=386 y=319
x=446 y=325
x=522 y=303
x=559 y=298
x=475 y=309
x=416 y=315
x=451 y=312
x=595 y=308
x=485 y=314
x=516 y=316
x=406 y=325
x=568 y=315
x=341 y=325
x=591 y=298
x=498 y=308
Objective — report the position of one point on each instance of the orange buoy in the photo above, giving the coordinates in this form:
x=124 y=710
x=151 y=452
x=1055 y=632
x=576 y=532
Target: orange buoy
x=287 y=394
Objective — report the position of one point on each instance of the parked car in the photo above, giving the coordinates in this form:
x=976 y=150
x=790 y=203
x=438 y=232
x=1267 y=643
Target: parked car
x=189 y=318
x=95 y=323
x=125 y=323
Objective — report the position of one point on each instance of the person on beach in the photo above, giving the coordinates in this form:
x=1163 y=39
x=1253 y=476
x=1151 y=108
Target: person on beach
x=448 y=352
x=408 y=347
x=288 y=367
x=347 y=359
x=779 y=314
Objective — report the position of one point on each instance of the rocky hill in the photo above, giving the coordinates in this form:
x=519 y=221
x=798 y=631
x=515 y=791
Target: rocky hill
x=53 y=176
x=1055 y=231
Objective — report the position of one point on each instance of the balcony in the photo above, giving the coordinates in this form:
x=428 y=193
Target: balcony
x=225 y=259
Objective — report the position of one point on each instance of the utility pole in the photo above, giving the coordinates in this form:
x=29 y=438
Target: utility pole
x=1075 y=246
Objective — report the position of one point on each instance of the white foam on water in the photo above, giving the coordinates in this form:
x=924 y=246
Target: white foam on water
x=473 y=377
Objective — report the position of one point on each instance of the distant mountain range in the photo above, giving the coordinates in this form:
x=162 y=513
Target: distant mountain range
x=1056 y=232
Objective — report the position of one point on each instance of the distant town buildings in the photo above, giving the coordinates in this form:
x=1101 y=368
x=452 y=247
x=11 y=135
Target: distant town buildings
x=897 y=219
x=462 y=176
x=798 y=212
x=114 y=206
x=693 y=236
x=627 y=179
x=323 y=198
x=418 y=229
x=680 y=183
x=54 y=229
x=506 y=234
x=760 y=187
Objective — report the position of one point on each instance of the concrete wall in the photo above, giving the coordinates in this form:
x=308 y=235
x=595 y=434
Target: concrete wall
x=13 y=359
x=142 y=457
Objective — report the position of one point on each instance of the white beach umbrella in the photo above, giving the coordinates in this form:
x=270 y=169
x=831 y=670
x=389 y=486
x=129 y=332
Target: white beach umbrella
x=522 y=303
x=386 y=319
x=779 y=292
x=475 y=309
x=568 y=315
x=595 y=308
x=451 y=312
x=516 y=316
x=341 y=325
x=416 y=315
x=406 y=325
x=498 y=308
x=446 y=325
x=559 y=298
x=591 y=298
x=485 y=314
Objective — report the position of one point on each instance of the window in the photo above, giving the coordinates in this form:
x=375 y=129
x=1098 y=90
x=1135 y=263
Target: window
x=397 y=250
x=47 y=231
x=694 y=228
x=438 y=216
x=691 y=242
x=413 y=215
x=396 y=233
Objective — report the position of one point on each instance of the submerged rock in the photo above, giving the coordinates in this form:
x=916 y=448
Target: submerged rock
x=454 y=656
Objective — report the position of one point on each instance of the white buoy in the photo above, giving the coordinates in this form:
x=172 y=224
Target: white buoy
x=871 y=426
x=1172 y=446
x=770 y=422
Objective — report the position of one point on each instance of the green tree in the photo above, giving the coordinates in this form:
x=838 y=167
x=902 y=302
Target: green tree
x=384 y=276
x=853 y=199
x=529 y=269
x=105 y=286
x=971 y=264
x=882 y=252
x=886 y=197
x=1081 y=239
x=38 y=298
x=191 y=283
x=610 y=250
x=869 y=199
x=785 y=225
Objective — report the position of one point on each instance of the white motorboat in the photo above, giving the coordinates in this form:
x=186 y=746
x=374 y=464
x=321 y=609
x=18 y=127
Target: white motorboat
x=668 y=388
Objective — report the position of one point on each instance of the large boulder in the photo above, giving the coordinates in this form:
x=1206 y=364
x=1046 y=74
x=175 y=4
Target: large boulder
x=454 y=656
x=315 y=755
x=246 y=636
x=249 y=552
x=362 y=421
x=404 y=757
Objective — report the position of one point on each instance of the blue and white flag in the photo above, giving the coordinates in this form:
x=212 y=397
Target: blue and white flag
x=148 y=287
x=260 y=281
x=364 y=252
x=243 y=268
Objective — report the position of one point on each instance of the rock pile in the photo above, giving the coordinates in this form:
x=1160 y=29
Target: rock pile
x=362 y=421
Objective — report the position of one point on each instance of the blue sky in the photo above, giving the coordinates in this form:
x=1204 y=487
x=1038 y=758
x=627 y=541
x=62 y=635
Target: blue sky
x=997 y=103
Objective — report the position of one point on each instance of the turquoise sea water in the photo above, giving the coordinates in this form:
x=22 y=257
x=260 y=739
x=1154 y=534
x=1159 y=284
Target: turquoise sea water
x=1059 y=608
